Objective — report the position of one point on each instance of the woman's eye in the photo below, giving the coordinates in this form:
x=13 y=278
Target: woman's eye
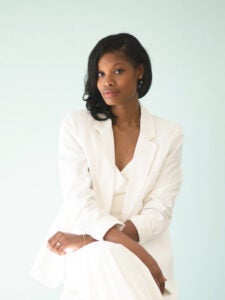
x=118 y=71
x=100 y=74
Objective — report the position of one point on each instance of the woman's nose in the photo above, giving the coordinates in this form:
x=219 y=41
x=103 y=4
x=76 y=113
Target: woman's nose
x=109 y=81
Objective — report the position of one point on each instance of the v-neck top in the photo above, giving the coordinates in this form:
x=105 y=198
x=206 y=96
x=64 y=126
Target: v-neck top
x=120 y=189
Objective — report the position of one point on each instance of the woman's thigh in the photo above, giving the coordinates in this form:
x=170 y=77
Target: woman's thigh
x=68 y=294
x=105 y=270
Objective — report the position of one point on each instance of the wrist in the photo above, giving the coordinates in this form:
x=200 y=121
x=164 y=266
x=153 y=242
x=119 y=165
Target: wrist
x=130 y=230
x=87 y=239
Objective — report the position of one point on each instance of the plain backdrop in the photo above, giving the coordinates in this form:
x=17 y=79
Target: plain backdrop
x=44 y=46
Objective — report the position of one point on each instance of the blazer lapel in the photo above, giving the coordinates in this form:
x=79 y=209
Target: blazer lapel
x=144 y=156
x=105 y=164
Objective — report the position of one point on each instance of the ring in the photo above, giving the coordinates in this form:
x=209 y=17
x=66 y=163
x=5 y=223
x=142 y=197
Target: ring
x=58 y=244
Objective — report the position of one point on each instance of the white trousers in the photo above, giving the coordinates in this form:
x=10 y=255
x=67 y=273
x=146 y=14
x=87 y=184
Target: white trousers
x=105 y=270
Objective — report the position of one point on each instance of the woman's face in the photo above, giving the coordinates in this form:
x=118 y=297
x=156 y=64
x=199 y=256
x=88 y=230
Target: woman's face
x=117 y=78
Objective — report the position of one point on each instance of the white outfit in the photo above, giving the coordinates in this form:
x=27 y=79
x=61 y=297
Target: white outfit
x=92 y=193
x=108 y=268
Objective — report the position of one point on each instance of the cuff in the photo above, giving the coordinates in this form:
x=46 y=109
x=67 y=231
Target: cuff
x=103 y=225
x=142 y=226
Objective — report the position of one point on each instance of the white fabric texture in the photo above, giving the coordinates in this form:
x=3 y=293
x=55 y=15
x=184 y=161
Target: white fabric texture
x=105 y=270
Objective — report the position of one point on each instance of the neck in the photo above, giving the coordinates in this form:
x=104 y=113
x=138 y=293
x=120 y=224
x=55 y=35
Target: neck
x=128 y=115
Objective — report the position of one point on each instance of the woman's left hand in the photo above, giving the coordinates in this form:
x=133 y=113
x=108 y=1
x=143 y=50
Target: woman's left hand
x=62 y=242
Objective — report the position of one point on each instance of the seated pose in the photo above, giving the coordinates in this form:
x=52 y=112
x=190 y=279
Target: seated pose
x=120 y=174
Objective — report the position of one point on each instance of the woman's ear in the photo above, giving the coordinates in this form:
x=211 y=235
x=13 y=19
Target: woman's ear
x=140 y=71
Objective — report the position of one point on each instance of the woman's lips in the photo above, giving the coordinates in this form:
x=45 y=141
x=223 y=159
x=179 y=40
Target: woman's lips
x=110 y=94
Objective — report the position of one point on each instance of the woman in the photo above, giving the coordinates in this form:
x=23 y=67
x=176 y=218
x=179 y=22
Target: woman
x=120 y=173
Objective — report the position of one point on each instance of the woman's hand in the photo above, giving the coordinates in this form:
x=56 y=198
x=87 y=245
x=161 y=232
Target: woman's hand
x=152 y=265
x=116 y=236
x=156 y=272
x=63 y=242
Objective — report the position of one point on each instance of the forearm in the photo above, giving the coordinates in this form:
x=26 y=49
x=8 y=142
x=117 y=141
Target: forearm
x=116 y=236
x=129 y=230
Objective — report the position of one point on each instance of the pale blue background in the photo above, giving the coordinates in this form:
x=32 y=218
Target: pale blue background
x=44 y=47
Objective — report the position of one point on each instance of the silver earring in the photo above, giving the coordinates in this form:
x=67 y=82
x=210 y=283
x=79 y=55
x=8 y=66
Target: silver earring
x=140 y=82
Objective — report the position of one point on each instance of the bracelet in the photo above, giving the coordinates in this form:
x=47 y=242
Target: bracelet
x=84 y=240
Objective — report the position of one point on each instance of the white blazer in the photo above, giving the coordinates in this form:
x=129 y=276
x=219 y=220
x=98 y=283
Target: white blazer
x=87 y=174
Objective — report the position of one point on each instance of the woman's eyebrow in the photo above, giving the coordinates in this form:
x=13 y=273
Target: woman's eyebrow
x=114 y=65
x=119 y=63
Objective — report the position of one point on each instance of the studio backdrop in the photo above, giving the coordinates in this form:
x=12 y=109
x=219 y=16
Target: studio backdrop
x=44 y=46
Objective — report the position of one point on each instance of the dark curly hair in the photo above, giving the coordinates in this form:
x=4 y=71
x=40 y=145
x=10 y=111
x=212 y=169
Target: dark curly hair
x=134 y=51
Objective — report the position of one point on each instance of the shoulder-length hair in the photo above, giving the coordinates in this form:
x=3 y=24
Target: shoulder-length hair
x=134 y=51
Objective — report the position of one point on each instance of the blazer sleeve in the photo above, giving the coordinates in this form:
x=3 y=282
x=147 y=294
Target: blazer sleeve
x=80 y=201
x=158 y=208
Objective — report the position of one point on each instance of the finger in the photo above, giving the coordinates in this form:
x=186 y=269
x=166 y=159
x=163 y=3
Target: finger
x=61 y=250
x=56 y=236
x=61 y=244
x=62 y=247
x=50 y=240
x=162 y=287
x=67 y=244
x=162 y=281
x=55 y=243
x=54 y=247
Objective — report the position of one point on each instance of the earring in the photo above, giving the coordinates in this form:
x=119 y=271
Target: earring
x=140 y=82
